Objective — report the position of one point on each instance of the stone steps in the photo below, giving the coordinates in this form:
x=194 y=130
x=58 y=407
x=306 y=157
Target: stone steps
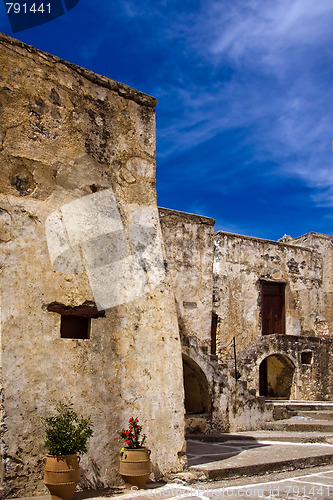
x=317 y=415
x=302 y=436
x=297 y=406
x=301 y=416
x=271 y=436
x=294 y=425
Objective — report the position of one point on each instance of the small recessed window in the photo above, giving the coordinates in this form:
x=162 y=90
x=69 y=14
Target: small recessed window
x=74 y=327
x=306 y=358
x=75 y=321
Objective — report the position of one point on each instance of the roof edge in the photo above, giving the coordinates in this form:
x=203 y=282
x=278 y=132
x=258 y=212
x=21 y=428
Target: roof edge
x=290 y=243
x=187 y=215
x=121 y=88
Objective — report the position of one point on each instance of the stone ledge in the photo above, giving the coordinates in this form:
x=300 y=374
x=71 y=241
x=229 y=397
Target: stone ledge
x=122 y=89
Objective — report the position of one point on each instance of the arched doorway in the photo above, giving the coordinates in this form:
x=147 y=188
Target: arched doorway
x=197 y=398
x=276 y=373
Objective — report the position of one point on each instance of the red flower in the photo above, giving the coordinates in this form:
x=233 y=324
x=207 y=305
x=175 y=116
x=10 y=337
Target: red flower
x=131 y=436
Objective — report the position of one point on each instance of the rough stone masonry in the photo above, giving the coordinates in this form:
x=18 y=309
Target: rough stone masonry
x=67 y=134
x=125 y=309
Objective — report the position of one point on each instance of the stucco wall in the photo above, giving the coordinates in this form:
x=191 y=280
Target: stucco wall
x=189 y=249
x=241 y=263
x=67 y=133
x=323 y=244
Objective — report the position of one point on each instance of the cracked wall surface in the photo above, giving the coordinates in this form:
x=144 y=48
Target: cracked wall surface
x=67 y=133
x=189 y=242
x=303 y=266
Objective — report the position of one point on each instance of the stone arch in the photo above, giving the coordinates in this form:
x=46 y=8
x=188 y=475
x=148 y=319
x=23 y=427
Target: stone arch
x=276 y=375
x=196 y=388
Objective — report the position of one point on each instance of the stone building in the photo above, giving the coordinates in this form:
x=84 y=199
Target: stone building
x=87 y=310
x=275 y=299
x=255 y=320
x=124 y=308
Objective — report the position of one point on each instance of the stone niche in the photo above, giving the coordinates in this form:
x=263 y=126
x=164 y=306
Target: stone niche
x=77 y=157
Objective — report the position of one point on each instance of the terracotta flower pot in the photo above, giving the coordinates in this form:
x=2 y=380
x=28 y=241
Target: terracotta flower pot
x=61 y=475
x=135 y=466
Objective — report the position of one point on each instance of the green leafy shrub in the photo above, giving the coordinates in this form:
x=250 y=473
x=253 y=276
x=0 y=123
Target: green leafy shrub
x=66 y=432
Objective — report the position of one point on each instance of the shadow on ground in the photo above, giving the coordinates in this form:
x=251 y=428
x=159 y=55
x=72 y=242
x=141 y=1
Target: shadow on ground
x=109 y=492
x=206 y=449
x=106 y=492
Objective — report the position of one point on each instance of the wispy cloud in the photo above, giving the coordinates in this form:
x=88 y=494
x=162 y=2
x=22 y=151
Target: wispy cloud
x=278 y=85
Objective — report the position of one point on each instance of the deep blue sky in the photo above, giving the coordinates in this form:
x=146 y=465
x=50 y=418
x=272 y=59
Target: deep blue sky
x=245 y=100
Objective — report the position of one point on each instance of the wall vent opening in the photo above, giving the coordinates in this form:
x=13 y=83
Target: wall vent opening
x=74 y=327
x=213 y=333
x=306 y=358
x=76 y=321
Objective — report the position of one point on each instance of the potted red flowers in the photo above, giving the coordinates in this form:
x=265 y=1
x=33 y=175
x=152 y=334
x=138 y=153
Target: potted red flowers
x=134 y=457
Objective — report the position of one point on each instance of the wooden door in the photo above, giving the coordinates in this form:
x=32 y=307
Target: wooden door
x=273 y=308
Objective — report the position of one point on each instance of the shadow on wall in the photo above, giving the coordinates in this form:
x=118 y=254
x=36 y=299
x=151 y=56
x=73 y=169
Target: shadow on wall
x=276 y=375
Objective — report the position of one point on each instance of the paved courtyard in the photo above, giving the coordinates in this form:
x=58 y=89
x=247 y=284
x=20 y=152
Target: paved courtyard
x=311 y=485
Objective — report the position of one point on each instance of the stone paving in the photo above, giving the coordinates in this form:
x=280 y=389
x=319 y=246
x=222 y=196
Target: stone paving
x=243 y=468
x=308 y=486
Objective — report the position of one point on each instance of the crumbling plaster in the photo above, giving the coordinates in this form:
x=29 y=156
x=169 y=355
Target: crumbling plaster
x=190 y=254
x=323 y=244
x=189 y=243
x=67 y=133
x=241 y=263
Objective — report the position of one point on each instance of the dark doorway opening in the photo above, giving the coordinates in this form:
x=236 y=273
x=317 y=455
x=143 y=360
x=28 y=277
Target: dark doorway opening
x=276 y=374
x=197 y=398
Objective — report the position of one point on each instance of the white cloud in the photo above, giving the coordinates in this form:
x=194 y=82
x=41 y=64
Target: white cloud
x=239 y=29
x=279 y=55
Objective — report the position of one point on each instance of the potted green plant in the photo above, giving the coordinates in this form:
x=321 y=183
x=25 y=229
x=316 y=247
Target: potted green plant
x=134 y=457
x=67 y=435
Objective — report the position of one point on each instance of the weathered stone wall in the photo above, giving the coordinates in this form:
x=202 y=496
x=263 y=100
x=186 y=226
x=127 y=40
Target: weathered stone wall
x=241 y=263
x=190 y=251
x=323 y=244
x=69 y=137
x=227 y=406
x=189 y=248
x=310 y=358
x=66 y=133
